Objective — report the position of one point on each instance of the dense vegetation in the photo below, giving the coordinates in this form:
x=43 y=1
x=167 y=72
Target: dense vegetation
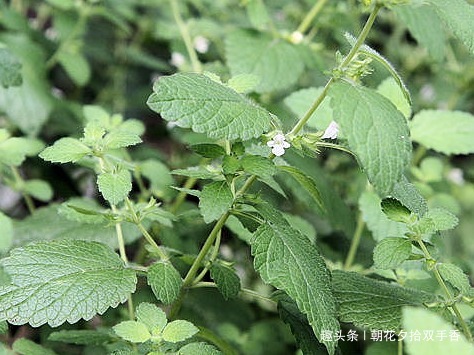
x=236 y=176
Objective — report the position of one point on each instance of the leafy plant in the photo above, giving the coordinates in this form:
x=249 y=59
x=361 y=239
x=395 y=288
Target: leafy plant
x=283 y=188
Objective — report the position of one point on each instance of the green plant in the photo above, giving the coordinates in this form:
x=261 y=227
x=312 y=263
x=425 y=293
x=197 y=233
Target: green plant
x=272 y=137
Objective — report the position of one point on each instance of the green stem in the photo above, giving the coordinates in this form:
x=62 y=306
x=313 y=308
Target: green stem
x=354 y=243
x=445 y=288
x=121 y=242
x=213 y=257
x=144 y=231
x=19 y=182
x=360 y=40
x=182 y=195
x=183 y=29
x=189 y=279
x=317 y=7
x=362 y=36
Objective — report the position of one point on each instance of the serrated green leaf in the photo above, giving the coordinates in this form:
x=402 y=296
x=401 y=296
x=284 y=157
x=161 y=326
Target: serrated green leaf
x=357 y=294
x=14 y=150
x=26 y=106
x=442 y=219
x=455 y=276
x=300 y=101
x=120 y=138
x=65 y=150
x=291 y=315
x=258 y=165
x=391 y=90
x=39 y=189
x=377 y=222
x=6 y=236
x=391 y=252
x=260 y=54
x=426 y=27
x=76 y=66
x=244 y=83
x=227 y=281
x=63 y=280
x=208 y=150
x=197 y=102
x=306 y=183
x=405 y=192
x=97 y=114
x=198 y=349
x=81 y=337
x=165 y=281
x=25 y=346
x=135 y=332
x=10 y=69
x=115 y=186
x=234 y=224
x=152 y=316
x=458 y=16
x=448 y=132
x=418 y=321
x=215 y=200
x=287 y=260
x=395 y=211
x=376 y=131
x=179 y=330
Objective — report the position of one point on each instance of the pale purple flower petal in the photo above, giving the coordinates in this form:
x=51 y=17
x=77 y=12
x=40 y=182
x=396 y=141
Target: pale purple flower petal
x=332 y=131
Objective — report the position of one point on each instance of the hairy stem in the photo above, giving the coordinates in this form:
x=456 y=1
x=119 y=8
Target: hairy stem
x=317 y=7
x=359 y=42
x=183 y=29
x=445 y=288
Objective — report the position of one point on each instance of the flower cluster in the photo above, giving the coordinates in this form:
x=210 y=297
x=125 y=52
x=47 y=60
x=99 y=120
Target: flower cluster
x=278 y=144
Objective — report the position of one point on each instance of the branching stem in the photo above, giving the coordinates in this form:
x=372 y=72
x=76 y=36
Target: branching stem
x=442 y=283
x=183 y=29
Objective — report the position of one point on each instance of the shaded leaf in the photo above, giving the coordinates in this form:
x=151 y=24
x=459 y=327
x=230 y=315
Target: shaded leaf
x=215 y=200
x=448 y=132
x=227 y=281
x=260 y=54
x=391 y=252
x=372 y=304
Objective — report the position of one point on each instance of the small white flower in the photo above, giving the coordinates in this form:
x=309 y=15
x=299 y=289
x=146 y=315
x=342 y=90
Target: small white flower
x=201 y=44
x=332 y=131
x=177 y=59
x=278 y=144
